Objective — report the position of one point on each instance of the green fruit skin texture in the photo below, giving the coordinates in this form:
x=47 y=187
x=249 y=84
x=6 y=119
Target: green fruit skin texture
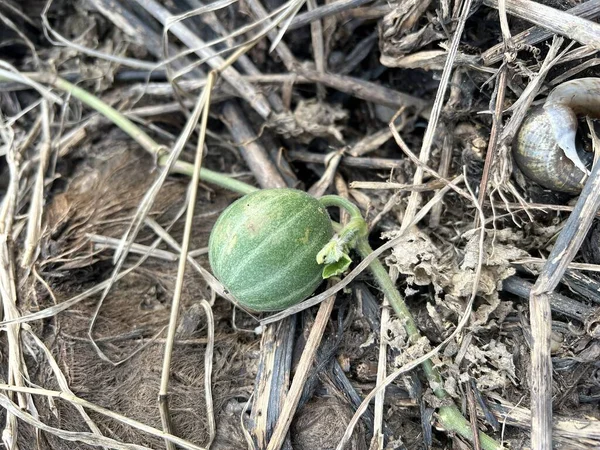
x=263 y=248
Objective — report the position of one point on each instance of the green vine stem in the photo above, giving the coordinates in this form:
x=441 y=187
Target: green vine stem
x=450 y=416
x=210 y=176
x=138 y=135
x=354 y=233
x=146 y=141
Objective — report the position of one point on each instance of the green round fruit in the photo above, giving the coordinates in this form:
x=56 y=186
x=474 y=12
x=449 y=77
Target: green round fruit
x=263 y=248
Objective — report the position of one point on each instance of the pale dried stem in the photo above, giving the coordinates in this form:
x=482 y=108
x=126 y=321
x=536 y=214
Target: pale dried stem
x=208 y=365
x=444 y=171
x=374 y=141
x=10 y=24
x=58 y=40
x=106 y=242
x=8 y=291
x=9 y=73
x=34 y=223
x=588 y=10
x=584 y=430
x=504 y=28
x=316 y=33
x=350 y=85
x=563 y=252
x=324 y=11
x=246 y=90
x=425 y=167
x=492 y=148
x=320 y=187
x=415 y=198
x=71 y=436
x=204 y=101
x=60 y=378
x=74 y=400
x=67 y=304
x=283 y=9
x=576 y=28
x=301 y=374
x=382 y=361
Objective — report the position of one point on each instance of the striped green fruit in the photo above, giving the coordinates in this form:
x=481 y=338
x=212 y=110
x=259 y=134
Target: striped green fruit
x=263 y=248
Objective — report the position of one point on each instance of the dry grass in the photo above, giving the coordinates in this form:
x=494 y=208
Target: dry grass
x=115 y=335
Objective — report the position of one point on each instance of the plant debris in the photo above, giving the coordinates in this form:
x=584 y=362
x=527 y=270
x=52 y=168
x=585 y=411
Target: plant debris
x=335 y=97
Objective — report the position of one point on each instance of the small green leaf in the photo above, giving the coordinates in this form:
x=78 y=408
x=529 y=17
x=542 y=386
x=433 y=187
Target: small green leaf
x=337 y=268
x=331 y=253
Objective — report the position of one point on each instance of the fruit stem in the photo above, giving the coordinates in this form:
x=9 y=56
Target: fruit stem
x=341 y=202
x=334 y=256
x=356 y=227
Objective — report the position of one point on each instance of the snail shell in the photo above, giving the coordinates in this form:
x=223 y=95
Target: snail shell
x=545 y=147
x=541 y=159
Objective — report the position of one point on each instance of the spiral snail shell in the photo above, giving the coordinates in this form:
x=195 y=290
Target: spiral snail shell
x=545 y=147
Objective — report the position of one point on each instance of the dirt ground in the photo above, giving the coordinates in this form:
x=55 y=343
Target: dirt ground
x=408 y=108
